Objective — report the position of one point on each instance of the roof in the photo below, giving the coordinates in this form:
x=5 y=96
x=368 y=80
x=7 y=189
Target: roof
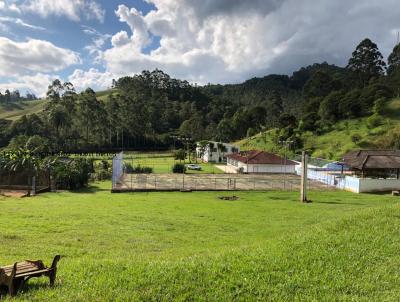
x=260 y=158
x=373 y=159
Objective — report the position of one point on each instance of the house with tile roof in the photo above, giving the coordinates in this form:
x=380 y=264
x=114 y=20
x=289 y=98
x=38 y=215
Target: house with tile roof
x=255 y=161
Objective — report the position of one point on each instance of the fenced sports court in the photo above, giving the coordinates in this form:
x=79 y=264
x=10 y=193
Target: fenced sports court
x=164 y=180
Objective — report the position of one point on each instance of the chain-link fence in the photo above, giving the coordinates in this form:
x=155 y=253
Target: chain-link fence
x=211 y=177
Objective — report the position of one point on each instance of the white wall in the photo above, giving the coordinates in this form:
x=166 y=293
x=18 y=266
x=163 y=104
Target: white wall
x=264 y=168
x=379 y=185
x=351 y=183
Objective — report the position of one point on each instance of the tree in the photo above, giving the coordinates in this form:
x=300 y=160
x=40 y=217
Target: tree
x=328 y=110
x=180 y=155
x=275 y=108
x=7 y=96
x=23 y=160
x=366 y=62
x=202 y=147
x=320 y=84
x=394 y=60
x=394 y=69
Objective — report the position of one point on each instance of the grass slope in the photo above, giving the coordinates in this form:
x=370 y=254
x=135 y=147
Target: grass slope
x=339 y=140
x=14 y=111
x=195 y=247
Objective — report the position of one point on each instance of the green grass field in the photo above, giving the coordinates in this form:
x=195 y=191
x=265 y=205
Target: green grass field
x=195 y=247
x=163 y=162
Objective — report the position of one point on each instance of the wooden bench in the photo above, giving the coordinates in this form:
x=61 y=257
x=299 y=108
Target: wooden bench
x=14 y=276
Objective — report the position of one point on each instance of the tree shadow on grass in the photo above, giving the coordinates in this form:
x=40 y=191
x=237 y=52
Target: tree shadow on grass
x=91 y=190
x=339 y=203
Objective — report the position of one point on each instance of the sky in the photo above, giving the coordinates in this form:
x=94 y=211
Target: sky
x=91 y=42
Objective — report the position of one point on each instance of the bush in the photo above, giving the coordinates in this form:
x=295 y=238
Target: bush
x=102 y=175
x=355 y=138
x=179 y=168
x=102 y=171
x=72 y=174
x=374 y=121
x=142 y=170
x=138 y=169
x=129 y=168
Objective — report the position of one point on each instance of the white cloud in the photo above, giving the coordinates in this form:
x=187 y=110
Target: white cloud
x=228 y=41
x=120 y=39
x=36 y=84
x=33 y=56
x=72 y=9
x=137 y=24
x=20 y=22
x=9 y=7
x=98 y=42
x=92 y=78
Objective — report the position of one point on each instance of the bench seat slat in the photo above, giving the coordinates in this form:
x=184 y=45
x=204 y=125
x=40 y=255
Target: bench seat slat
x=33 y=273
x=19 y=265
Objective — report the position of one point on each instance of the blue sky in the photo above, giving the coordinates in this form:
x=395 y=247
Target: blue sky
x=90 y=42
x=69 y=34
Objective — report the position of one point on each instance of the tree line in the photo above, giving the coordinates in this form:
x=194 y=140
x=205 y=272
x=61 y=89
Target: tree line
x=145 y=110
x=15 y=96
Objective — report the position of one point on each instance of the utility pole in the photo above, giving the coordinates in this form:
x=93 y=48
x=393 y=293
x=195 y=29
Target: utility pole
x=304 y=169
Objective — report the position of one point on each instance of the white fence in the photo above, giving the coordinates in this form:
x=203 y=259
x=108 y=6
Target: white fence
x=348 y=182
x=117 y=169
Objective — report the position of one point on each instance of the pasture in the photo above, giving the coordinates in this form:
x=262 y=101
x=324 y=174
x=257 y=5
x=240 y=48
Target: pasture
x=195 y=247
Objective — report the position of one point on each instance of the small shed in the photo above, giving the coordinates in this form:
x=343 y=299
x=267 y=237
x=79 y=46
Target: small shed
x=255 y=161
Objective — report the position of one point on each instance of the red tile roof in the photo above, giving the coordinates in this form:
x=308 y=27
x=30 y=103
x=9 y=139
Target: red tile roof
x=259 y=158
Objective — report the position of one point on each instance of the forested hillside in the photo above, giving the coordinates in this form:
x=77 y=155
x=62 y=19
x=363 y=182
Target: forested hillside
x=145 y=110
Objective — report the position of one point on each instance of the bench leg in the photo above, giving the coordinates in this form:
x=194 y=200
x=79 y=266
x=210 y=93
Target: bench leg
x=14 y=286
x=52 y=276
x=53 y=271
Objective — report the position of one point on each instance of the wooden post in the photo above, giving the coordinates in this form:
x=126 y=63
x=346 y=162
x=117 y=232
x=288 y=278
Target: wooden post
x=304 y=168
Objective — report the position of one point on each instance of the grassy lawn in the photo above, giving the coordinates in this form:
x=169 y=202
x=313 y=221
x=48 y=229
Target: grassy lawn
x=195 y=247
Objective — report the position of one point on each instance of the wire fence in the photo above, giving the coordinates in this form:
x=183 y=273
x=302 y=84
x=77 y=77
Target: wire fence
x=210 y=178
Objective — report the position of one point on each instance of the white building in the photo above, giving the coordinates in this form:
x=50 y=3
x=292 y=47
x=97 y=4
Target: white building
x=260 y=162
x=215 y=151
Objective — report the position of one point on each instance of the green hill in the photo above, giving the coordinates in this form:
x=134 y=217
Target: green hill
x=14 y=111
x=343 y=136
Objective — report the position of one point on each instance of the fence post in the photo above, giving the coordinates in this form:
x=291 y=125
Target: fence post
x=34 y=185
x=304 y=169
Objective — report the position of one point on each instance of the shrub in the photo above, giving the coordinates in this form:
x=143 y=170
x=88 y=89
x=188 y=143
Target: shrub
x=179 y=168
x=138 y=169
x=129 y=168
x=374 y=121
x=102 y=175
x=355 y=138
x=142 y=170
x=72 y=174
